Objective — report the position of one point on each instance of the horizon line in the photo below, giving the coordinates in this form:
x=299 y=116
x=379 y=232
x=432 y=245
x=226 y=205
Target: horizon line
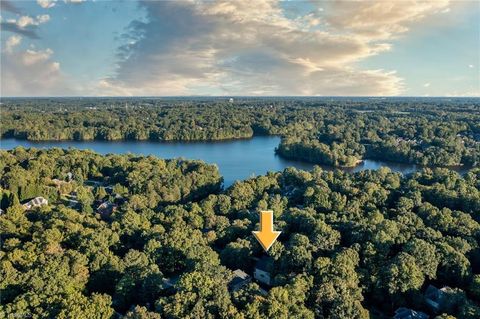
x=237 y=96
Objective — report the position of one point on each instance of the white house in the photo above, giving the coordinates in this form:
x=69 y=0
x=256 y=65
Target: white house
x=36 y=202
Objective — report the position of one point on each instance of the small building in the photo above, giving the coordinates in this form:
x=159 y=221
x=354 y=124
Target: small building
x=263 y=269
x=436 y=298
x=405 y=313
x=58 y=182
x=93 y=183
x=239 y=280
x=169 y=283
x=36 y=202
x=230 y=100
x=72 y=203
x=106 y=208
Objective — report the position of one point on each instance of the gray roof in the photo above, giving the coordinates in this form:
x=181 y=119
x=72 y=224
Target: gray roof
x=264 y=263
x=405 y=313
x=239 y=279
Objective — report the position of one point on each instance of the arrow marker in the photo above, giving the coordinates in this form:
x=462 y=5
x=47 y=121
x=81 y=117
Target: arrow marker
x=266 y=236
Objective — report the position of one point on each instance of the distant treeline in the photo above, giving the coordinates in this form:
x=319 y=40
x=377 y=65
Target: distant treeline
x=337 y=132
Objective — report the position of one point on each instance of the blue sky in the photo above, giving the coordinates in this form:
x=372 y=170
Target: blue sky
x=100 y=48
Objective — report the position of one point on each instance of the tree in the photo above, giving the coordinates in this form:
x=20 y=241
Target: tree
x=425 y=256
x=403 y=274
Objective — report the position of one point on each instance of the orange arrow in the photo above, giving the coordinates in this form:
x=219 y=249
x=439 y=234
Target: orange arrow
x=266 y=236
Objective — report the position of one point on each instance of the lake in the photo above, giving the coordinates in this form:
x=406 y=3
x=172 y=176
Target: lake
x=236 y=159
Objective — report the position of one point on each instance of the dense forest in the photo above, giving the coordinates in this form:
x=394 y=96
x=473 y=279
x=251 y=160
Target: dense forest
x=124 y=236
x=336 y=132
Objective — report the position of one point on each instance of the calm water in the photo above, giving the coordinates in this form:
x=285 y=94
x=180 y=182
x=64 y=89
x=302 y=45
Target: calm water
x=237 y=159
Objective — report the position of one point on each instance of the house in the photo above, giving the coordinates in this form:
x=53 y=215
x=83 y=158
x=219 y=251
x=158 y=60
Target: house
x=436 y=298
x=36 y=202
x=405 y=313
x=262 y=271
x=92 y=183
x=72 y=203
x=239 y=280
x=169 y=283
x=58 y=182
x=106 y=208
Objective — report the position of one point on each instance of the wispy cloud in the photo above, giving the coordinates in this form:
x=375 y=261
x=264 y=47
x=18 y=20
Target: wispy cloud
x=25 y=25
x=13 y=27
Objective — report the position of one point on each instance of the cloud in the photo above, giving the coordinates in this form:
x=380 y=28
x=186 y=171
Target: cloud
x=471 y=66
x=380 y=19
x=13 y=27
x=46 y=4
x=31 y=72
x=25 y=21
x=426 y=85
x=236 y=48
x=25 y=25
x=12 y=42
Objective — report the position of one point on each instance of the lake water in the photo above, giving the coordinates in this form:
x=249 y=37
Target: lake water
x=236 y=159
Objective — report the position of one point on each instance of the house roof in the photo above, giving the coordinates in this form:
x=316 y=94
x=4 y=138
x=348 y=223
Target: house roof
x=240 y=278
x=37 y=201
x=436 y=294
x=240 y=274
x=264 y=263
x=405 y=313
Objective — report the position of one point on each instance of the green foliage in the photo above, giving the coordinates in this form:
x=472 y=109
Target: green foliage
x=352 y=245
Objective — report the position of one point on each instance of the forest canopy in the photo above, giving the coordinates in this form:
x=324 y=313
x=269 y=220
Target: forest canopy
x=140 y=237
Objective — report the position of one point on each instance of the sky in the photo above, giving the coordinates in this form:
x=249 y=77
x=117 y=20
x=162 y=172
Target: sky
x=231 y=48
